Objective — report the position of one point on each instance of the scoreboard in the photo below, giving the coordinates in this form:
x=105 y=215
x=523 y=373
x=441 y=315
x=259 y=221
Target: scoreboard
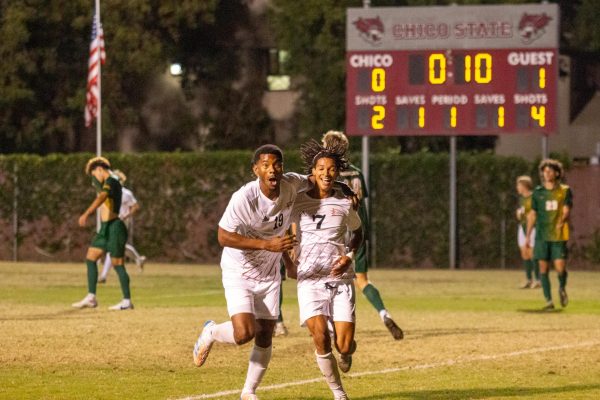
x=453 y=70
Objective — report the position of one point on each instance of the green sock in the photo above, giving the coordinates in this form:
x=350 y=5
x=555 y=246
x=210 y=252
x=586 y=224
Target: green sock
x=546 y=286
x=280 y=316
x=536 y=269
x=528 y=269
x=92 y=275
x=124 y=280
x=372 y=294
x=562 y=279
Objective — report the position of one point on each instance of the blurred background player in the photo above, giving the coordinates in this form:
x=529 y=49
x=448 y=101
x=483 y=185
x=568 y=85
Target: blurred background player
x=354 y=178
x=524 y=189
x=253 y=234
x=550 y=208
x=129 y=206
x=323 y=216
x=112 y=236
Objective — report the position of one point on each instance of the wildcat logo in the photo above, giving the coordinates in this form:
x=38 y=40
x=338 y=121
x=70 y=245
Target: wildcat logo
x=532 y=26
x=370 y=29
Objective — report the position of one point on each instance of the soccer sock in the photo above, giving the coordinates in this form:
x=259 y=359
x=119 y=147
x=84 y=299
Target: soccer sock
x=562 y=279
x=372 y=294
x=536 y=269
x=223 y=333
x=546 y=286
x=528 y=269
x=124 y=280
x=280 y=316
x=106 y=267
x=329 y=369
x=92 y=275
x=259 y=361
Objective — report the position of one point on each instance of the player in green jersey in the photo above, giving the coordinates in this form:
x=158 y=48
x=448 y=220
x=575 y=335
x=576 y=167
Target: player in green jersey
x=354 y=178
x=524 y=189
x=551 y=205
x=112 y=236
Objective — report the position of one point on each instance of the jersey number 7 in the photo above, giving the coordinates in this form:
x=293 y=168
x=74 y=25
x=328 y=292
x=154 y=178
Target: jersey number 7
x=321 y=218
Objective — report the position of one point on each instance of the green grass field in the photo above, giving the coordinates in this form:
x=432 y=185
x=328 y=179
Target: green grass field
x=469 y=335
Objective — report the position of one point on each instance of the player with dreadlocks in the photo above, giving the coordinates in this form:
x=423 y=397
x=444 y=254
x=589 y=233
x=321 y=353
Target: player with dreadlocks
x=323 y=215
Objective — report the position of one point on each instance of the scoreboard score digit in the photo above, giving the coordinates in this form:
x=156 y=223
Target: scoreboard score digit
x=454 y=90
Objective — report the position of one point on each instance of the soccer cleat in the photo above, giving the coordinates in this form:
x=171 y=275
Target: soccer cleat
x=526 y=285
x=535 y=285
x=87 y=302
x=280 y=329
x=140 y=263
x=549 y=306
x=345 y=361
x=564 y=299
x=393 y=328
x=122 y=305
x=248 y=396
x=203 y=344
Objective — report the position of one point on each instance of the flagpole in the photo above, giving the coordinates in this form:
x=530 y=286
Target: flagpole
x=99 y=112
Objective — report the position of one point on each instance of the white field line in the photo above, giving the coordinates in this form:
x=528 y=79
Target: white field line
x=447 y=363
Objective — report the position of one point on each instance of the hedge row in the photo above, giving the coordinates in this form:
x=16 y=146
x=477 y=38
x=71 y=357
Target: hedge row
x=184 y=194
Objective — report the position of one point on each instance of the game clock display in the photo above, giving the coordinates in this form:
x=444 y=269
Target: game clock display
x=407 y=77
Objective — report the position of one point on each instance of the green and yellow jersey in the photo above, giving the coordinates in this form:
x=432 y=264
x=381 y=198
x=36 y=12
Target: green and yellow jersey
x=548 y=205
x=524 y=208
x=112 y=204
x=354 y=178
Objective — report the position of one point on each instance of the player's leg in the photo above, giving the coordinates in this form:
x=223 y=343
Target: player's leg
x=91 y=259
x=372 y=294
x=527 y=266
x=105 y=268
x=314 y=313
x=343 y=313
x=559 y=256
x=541 y=252
x=266 y=310
x=139 y=259
x=117 y=238
x=534 y=262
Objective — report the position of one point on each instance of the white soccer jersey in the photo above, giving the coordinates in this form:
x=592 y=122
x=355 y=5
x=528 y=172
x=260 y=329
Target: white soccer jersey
x=322 y=226
x=128 y=200
x=252 y=214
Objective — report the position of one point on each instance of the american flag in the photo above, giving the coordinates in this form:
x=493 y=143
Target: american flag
x=97 y=55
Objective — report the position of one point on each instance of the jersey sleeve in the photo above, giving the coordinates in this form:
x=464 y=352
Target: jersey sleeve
x=109 y=187
x=235 y=214
x=131 y=196
x=534 y=202
x=569 y=198
x=299 y=182
x=353 y=220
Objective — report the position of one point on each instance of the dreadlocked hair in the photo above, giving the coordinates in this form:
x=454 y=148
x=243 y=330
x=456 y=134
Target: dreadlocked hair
x=312 y=151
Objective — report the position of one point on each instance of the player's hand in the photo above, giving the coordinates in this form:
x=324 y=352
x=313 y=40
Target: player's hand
x=559 y=228
x=528 y=242
x=340 y=266
x=281 y=243
x=83 y=219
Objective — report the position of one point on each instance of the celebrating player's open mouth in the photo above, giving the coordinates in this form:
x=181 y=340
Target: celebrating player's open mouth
x=269 y=170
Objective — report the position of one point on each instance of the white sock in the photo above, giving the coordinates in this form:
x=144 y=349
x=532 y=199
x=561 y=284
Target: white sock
x=91 y=296
x=384 y=313
x=126 y=302
x=329 y=368
x=106 y=267
x=223 y=333
x=259 y=361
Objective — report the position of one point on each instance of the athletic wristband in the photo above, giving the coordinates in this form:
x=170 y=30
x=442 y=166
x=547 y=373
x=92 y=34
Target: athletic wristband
x=350 y=255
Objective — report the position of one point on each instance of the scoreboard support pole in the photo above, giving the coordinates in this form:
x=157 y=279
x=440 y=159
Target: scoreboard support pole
x=452 y=205
x=545 y=146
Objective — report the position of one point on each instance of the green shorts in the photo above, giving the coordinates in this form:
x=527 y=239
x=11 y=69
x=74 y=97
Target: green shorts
x=112 y=238
x=550 y=251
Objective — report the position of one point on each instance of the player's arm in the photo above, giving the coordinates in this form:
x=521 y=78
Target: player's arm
x=566 y=212
x=531 y=218
x=291 y=268
x=344 y=262
x=101 y=198
x=134 y=208
x=235 y=240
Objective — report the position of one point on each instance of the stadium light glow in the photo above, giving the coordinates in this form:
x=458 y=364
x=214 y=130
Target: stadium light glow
x=175 y=69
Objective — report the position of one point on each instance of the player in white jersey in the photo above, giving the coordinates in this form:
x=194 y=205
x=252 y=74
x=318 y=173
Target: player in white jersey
x=323 y=216
x=129 y=206
x=252 y=232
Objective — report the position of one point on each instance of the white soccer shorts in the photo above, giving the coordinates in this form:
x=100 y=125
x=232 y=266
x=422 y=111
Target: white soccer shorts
x=522 y=237
x=258 y=298
x=335 y=300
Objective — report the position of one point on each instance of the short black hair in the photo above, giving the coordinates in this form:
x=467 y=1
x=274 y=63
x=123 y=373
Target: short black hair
x=267 y=149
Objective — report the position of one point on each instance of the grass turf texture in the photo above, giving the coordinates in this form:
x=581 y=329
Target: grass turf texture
x=51 y=351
